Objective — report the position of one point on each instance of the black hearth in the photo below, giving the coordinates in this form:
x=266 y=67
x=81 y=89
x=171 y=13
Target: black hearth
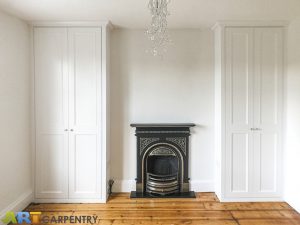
x=162 y=160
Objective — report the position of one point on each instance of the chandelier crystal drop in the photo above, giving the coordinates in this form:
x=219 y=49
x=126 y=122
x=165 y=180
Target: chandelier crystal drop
x=158 y=30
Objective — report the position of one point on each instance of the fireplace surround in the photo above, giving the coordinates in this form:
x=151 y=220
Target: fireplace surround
x=162 y=160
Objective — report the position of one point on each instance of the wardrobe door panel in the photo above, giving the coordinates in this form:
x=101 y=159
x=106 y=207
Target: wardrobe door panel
x=85 y=112
x=239 y=77
x=268 y=77
x=240 y=162
x=51 y=112
x=268 y=156
x=84 y=162
x=239 y=105
x=51 y=166
x=268 y=109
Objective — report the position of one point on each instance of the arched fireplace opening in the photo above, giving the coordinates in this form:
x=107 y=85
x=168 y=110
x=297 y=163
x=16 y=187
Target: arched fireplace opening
x=162 y=171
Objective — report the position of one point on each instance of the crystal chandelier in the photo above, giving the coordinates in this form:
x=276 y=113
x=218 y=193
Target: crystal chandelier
x=158 y=29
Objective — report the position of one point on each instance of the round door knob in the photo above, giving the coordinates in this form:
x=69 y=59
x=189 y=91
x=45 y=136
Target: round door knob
x=66 y=129
x=72 y=130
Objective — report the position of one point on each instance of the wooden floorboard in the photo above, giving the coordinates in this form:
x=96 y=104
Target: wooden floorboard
x=168 y=222
x=278 y=214
x=269 y=222
x=205 y=209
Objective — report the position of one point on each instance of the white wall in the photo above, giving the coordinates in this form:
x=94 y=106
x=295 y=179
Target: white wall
x=178 y=88
x=15 y=151
x=292 y=140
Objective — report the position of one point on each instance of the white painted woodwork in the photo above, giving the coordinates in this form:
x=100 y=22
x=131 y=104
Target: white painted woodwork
x=268 y=111
x=51 y=110
x=85 y=112
x=249 y=73
x=70 y=114
x=239 y=98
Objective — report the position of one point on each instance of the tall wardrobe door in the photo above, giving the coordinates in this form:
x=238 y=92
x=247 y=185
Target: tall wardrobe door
x=51 y=112
x=268 y=110
x=85 y=112
x=239 y=105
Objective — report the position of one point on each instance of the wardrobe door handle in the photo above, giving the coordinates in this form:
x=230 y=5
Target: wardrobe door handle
x=255 y=128
x=72 y=130
x=66 y=129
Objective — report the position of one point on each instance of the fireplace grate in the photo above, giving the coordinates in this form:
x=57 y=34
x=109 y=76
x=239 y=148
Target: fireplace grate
x=162 y=184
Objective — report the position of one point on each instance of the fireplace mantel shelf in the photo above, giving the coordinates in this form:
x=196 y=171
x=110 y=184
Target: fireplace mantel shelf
x=144 y=125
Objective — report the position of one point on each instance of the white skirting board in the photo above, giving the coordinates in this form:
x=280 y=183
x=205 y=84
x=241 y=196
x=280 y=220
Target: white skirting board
x=123 y=186
x=254 y=199
x=19 y=204
x=195 y=185
x=294 y=203
x=67 y=200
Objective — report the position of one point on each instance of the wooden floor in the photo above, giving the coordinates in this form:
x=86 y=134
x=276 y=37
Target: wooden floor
x=205 y=209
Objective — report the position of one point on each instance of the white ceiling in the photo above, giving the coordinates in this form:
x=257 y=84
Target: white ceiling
x=134 y=13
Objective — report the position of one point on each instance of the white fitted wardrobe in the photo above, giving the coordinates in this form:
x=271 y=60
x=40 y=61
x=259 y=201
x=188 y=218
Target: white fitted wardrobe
x=249 y=101
x=71 y=112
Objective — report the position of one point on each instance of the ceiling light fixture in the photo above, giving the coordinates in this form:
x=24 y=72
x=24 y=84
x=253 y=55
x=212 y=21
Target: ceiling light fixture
x=158 y=30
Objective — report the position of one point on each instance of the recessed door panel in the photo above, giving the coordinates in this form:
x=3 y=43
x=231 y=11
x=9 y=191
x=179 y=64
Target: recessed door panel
x=268 y=158
x=85 y=164
x=51 y=166
x=240 y=163
x=239 y=73
x=85 y=53
x=268 y=77
x=50 y=78
x=85 y=79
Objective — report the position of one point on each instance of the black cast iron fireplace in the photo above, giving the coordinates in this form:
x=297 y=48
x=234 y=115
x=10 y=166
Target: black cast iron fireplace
x=162 y=160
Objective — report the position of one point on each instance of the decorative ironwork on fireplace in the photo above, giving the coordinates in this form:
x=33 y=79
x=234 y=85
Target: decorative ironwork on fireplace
x=162 y=160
